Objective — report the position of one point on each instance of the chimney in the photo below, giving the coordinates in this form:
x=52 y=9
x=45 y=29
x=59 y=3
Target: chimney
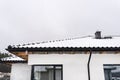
x=98 y=35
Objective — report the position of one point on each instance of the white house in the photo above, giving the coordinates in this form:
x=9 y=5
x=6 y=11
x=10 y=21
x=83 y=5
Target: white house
x=85 y=58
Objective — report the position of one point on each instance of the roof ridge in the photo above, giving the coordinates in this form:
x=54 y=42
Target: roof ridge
x=53 y=41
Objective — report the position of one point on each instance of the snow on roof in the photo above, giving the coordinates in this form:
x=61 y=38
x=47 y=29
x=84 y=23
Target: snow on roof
x=12 y=59
x=88 y=41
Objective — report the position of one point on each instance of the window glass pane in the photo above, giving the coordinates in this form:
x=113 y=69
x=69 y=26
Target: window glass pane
x=112 y=72
x=58 y=74
x=43 y=72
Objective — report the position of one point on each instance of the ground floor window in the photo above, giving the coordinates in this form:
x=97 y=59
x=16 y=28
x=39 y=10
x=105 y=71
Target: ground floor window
x=46 y=72
x=112 y=71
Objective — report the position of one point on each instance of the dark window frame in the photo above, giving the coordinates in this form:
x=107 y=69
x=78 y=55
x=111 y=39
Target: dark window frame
x=111 y=64
x=54 y=66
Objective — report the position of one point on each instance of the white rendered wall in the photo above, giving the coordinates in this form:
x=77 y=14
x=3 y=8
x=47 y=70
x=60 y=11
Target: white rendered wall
x=75 y=65
x=97 y=61
x=20 y=72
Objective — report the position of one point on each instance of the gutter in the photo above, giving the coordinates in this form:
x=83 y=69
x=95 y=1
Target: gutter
x=88 y=65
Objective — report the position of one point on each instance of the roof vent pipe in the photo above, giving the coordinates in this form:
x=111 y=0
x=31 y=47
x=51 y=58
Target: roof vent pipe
x=98 y=35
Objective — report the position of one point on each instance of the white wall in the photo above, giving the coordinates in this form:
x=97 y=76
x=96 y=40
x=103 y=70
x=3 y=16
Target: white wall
x=97 y=61
x=75 y=65
x=20 y=72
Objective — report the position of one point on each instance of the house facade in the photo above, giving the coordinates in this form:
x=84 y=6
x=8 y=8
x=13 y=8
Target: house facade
x=84 y=58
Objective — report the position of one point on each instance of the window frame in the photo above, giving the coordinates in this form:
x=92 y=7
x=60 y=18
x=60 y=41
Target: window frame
x=54 y=65
x=109 y=65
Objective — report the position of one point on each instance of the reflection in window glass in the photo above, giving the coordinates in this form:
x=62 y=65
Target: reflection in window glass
x=47 y=72
x=112 y=72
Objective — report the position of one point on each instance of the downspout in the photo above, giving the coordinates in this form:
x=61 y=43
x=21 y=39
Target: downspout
x=88 y=65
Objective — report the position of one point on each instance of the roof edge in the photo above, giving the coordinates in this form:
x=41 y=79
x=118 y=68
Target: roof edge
x=64 y=49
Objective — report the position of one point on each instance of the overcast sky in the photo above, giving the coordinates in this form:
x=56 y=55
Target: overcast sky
x=24 y=21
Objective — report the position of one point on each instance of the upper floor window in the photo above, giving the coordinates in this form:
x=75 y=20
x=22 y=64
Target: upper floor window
x=47 y=72
x=112 y=72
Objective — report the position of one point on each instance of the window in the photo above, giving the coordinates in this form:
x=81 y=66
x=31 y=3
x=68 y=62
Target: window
x=112 y=71
x=46 y=72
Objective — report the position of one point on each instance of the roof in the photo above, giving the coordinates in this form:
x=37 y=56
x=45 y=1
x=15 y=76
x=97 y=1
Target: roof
x=87 y=42
x=12 y=60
